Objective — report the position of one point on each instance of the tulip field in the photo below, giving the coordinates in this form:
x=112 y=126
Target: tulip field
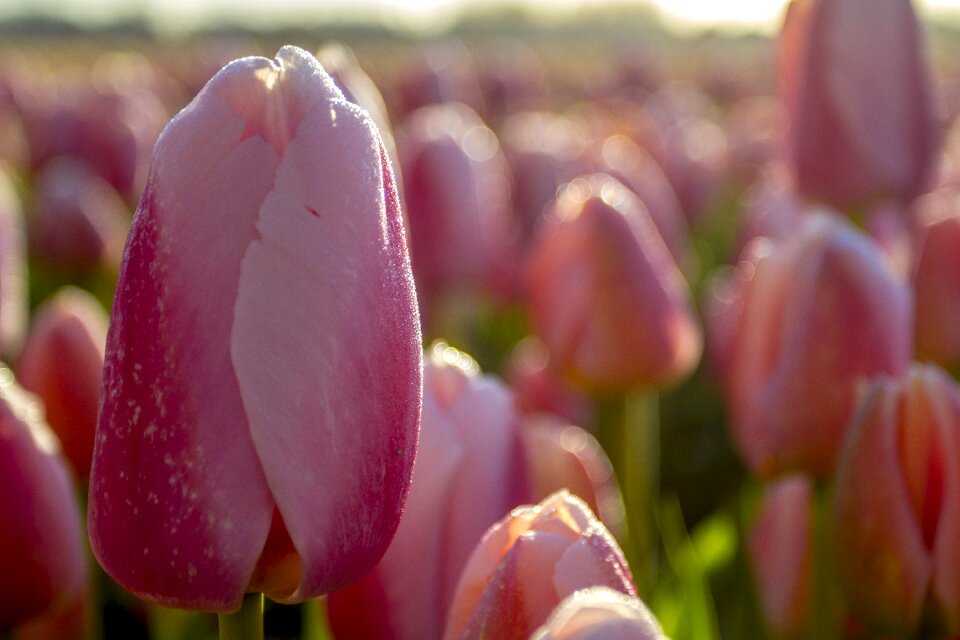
x=535 y=332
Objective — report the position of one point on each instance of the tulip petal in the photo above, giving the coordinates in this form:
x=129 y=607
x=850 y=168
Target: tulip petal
x=332 y=243
x=174 y=466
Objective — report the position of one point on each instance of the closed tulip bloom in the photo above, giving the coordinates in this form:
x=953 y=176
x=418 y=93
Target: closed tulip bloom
x=604 y=293
x=564 y=456
x=600 y=614
x=781 y=555
x=862 y=120
x=528 y=563
x=262 y=379
x=62 y=362
x=898 y=505
x=807 y=321
x=470 y=470
x=937 y=289
x=42 y=560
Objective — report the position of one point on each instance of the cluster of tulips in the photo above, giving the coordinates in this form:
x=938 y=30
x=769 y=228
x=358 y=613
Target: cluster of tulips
x=285 y=399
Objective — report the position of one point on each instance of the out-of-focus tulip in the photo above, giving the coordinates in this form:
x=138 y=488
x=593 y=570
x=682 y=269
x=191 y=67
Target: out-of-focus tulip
x=544 y=150
x=800 y=325
x=470 y=470
x=457 y=189
x=445 y=72
x=538 y=387
x=621 y=158
x=937 y=290
x=13 y=270
x=604 y=293
x=862 y=120
x=528 y=563
x=898 y=505
x=565 y=456
x=79 y=220
x=754 y=127
x=600 y=613
x=771 y=208
x=62 y=362
x=42 y=561
x=781 y=555
x=261 y=391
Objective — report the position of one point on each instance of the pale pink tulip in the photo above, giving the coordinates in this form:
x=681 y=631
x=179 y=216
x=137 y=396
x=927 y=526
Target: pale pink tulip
x=262 y=380
x=470 y=470
x=42 y=561
x=937 y=288
x=807 y=321
x=62 y=362
x=898 y=505
x=604 y=293
x=862 y=119
x=780 y=548
x=528 y=563
x=600 y=613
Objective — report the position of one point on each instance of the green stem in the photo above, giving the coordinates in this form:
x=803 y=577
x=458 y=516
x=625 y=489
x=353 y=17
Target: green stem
x=630 y=433
x=825 y=612
x=245 y=624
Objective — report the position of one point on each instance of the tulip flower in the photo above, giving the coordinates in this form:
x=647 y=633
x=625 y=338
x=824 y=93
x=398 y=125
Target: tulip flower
x=261 y=389
x=804 y=323
x=42 y=560
x=937 y=289
x=538 y=387
x=62 y=362
x=456 y=182
x=528 y=563
x=600 y=613
x=565 y=456
x=898 y=505
x=604 y=293
x=862 y=121
x=781 y=555
x=470 y=470
x=79 y=221
x=13 y=269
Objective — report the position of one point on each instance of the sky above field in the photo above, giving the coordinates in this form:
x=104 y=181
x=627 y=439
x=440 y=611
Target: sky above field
x=752 y=14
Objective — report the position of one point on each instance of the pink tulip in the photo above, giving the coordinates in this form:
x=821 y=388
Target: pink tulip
x=937 y=286
x=565 y=456
x=79 y=220
x=538 y=387
x=597 y=613
x=528 y=563
x=806 y=322
x=898 y=505
x=262 y=380
x=604 y=293
x=62 y=362
x=13 y=270
x=470 y=470
x=456 y=183
x=862 y=120
x=781 y=555
x=42 y=560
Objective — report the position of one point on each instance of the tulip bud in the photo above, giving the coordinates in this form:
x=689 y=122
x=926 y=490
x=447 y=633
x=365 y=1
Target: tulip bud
x=808 y=320
x=604 y=293
x=528 y=563
x=937 y=289
x=42 y=561
x=62 y=362
x=470 y=470
x=80 y=220
x=898 y=505
x=456 y=182
x=862 y=121
x=261 y=390
x=600 y=613
x=565 y=456
x=781 y=555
